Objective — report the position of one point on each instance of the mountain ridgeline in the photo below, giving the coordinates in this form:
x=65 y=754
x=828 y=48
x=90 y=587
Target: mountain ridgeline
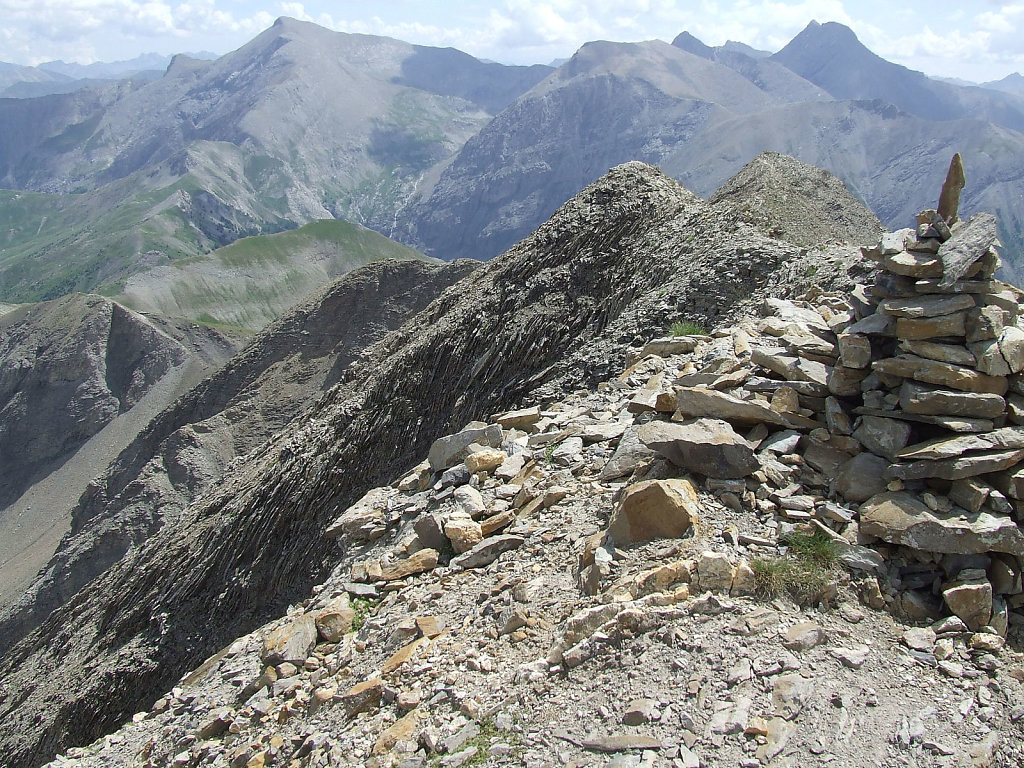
x=457 y=157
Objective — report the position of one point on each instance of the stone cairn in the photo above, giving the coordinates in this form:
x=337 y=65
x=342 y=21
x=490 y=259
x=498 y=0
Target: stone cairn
x=909 y=394
x=943 y=356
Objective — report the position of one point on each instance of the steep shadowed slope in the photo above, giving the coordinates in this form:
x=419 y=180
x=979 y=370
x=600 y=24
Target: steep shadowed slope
x=190 y=444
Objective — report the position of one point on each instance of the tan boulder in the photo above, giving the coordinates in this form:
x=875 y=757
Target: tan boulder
x=334 y=621
x=970 y=598
x=486 y=460
x=291 y=642
x=708 y=446
x=655 y=509
x=424 y=560
x=463 y=532
x=523 y=419
x=854 y=350
x=913 y=264
x=699 y=402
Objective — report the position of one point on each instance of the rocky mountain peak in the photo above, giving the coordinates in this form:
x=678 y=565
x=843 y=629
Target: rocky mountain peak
x=691 y=44
x=796 y=202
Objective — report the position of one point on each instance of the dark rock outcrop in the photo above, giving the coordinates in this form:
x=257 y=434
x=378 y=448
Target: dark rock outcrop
x=190 y=444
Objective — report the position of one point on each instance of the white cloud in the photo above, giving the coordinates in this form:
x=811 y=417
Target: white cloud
x=938 y=36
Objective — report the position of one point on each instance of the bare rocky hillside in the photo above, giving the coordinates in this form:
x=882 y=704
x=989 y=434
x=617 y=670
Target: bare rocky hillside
x=75 y=374
x=190 y=443
x=616 y=263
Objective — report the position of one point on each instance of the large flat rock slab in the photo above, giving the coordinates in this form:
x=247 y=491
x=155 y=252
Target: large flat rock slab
x=710 y=447
x=902 y=518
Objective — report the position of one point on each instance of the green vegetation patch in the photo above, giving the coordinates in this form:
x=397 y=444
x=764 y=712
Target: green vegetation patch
x=687 y=328
x=804 y=572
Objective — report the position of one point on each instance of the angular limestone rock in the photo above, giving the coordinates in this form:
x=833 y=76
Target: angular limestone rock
x=1004 y=439
x=926 y=306
x=708 y=446
x=901 y=518
x=334 y=621
x=488 y=550
x=364 y=520
x=967 y=245
x=952 y=423
x=699 y=402
x=790 y=367
x=914 y=264
x=985 y=323
x=861 y=477
x=854 y=350
x=486 y=460
x=989 y=359
x=944 y=353
x=942 y=374
x=883 y=437
x=463 y=532
x=448 y=451
x=932 y=327
x=949 y=197
x=290 y=643
x=970 y=598
x=1011 y=347
x=523 y=419
x=670 y=345
x=362 y=697
x=714 y=572
x=629 y=454
x=955 y=469
x=654 y=509
x=917 y=398
x=424 y=560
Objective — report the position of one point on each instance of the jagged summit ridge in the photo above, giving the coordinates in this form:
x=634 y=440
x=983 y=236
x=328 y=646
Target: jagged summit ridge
x=587 y=576
x=633 y=240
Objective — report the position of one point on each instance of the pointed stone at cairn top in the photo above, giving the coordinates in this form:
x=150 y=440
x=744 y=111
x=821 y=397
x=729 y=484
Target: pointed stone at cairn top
x=949 y=198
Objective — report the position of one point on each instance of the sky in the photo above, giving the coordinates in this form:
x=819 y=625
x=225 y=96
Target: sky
x=975 y=40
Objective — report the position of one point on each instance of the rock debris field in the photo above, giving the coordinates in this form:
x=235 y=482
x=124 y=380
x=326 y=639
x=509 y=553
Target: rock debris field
x=792 y=541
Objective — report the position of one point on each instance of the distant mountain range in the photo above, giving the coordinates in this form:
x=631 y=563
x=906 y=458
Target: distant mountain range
x=457 y=157
x=63 y=77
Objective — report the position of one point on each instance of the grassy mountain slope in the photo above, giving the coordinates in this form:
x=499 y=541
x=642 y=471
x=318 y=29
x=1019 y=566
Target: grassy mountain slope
x=253 y=280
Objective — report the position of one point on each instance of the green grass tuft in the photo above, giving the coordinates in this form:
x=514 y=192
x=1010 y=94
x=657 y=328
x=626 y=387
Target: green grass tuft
x=804 y=572
x=687 y=328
